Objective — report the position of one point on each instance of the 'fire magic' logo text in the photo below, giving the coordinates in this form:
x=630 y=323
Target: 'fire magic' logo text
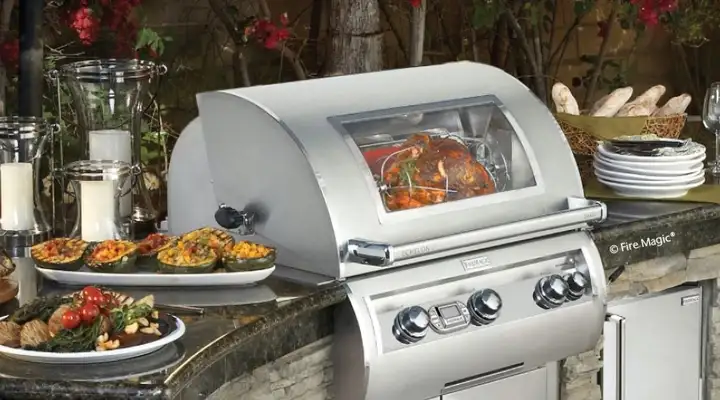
x=657 y=241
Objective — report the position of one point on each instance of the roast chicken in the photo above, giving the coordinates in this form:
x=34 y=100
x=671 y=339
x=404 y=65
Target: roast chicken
x=428 y=170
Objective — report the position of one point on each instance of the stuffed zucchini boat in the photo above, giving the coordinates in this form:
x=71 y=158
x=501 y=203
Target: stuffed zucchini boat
x=61 y=253
x=187 y=257
x=112 y=256
x=213 y=238
x=248 y=256
x=149 y=248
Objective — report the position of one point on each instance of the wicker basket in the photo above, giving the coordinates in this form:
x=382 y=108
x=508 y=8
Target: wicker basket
x=584 y=143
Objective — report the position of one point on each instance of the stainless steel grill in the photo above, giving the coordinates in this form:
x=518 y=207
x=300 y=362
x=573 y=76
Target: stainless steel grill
x=451 y=208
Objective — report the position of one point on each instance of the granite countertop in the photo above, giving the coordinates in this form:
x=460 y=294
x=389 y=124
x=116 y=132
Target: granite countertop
x=244 y=328
x=264 y=322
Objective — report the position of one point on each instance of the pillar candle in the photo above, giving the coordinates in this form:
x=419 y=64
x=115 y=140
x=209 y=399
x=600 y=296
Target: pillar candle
x=114 y=145
x=16 y=196
x=97 y=210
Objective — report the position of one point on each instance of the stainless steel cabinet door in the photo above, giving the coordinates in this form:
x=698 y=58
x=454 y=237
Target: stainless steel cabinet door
x=660 y=336
x=531 y=385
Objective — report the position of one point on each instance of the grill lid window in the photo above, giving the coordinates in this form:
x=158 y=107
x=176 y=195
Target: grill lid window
x=431 y=157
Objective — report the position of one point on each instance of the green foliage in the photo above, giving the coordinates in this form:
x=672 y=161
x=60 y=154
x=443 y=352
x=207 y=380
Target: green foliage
x=149 y=38
x=486 y=13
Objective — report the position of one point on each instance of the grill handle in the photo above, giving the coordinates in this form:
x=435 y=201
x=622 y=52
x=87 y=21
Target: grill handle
x=613 y=372
x=579 y=213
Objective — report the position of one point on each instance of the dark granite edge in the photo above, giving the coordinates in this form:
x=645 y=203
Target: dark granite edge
x=282 y=325
x=32 y=389
x=684 y=231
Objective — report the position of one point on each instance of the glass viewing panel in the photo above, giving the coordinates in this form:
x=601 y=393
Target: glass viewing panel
x=424 y=158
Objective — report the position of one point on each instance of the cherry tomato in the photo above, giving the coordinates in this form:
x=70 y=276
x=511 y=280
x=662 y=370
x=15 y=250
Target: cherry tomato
x=99 y=300
x=91 y=291
x=89 y=312
x=70 y=319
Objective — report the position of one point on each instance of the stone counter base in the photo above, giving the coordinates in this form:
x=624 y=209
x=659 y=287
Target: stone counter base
x=304 y=374
x=579 y=374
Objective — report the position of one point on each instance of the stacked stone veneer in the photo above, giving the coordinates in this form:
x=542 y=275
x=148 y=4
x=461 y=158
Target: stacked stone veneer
x=579 y=374
x=306 y=374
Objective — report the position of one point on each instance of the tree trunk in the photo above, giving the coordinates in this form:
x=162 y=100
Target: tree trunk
x=357 y=39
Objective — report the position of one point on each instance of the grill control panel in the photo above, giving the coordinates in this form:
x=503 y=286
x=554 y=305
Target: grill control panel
x=445 y=318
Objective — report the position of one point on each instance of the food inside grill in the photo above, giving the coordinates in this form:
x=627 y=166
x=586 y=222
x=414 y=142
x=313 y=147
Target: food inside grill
x=428 y=170
x=89 y=320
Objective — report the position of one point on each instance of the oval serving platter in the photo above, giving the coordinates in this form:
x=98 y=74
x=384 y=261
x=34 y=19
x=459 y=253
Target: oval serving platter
x=84 y=277
x=93 y=357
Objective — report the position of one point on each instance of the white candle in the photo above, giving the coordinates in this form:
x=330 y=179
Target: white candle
x=16 y=196
x=114 y=145
x=97 y=210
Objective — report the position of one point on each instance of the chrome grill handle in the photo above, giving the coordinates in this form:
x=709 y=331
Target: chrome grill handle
x=369 y=253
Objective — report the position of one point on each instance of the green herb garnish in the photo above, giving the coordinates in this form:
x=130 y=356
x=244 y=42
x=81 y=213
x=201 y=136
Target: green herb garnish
x=41 y=308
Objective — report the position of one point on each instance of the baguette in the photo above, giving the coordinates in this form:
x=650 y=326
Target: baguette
x=610 y=104
x=651 y=96
x=644 y=104
x=564 y=100
x=674 y=106
x=633 y=110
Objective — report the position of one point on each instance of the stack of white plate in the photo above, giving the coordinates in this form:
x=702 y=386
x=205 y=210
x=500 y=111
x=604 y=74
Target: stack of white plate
x=665 y=176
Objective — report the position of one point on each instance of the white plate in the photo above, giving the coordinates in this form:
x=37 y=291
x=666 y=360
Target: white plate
x=652 y=192
x=640 y=180
x=652 y=166
x=90 y=357
x=601 y=169
x=153 y=279
x=651 y=169
x=695 y=153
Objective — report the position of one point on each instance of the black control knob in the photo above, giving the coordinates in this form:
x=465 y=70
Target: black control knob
x=550 y=292
x=411 y=325
x=577 y=284
x=228 y=217
x=484 y=306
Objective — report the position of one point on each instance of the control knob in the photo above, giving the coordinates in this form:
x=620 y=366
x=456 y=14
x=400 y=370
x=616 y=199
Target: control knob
x=577 y=284
x=550 y=292
x=484 y=306
x=411 y=325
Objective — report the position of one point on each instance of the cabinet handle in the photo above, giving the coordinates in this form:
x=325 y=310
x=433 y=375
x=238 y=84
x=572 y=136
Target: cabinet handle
x=614 y=358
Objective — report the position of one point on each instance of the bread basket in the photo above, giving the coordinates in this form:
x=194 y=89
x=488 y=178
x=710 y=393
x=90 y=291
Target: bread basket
x=584 y=131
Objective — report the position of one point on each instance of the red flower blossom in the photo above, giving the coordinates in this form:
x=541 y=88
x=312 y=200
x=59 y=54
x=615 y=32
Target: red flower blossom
x=649 y=11
x=10 y=53
x=86 y=24
x=415 y=3
x=268 y=34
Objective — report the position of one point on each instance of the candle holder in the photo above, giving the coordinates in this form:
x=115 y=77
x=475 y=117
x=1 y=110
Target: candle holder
x=98 y=186
x=25 y=152
x=108 y=97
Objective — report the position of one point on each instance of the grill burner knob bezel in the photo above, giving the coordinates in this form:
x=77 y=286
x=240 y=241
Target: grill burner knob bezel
x=484 y=306
x=577 y=284
x=550 y=292
x=411 y=325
